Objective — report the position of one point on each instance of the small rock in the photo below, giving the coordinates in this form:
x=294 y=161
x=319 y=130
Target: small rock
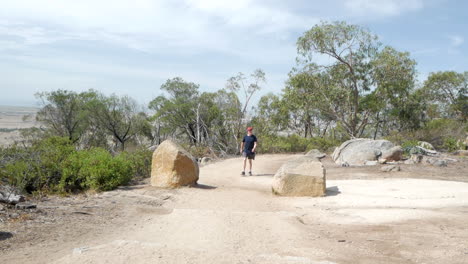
x=342 y=240
x=25 y=206
x=1 y=207
x=440 y=163
x=316 y=153
x=437 y=162
x=426 y=145
x=390 y=168
x=153 y=148
x=416 y=158
x=14 y=215
x=461 y=153
x=345 y=164
x=77 y=251
x=10 y=195
x=205 y=160
x=382 y=161
x=371 y=163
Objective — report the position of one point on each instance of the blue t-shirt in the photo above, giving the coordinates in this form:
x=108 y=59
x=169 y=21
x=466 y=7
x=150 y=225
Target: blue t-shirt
x=249 y=143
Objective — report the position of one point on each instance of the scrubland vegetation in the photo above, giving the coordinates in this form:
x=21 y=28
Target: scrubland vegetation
x=92 y=141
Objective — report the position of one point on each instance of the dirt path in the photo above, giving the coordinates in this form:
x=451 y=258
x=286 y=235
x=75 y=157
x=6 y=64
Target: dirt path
x=234 y=219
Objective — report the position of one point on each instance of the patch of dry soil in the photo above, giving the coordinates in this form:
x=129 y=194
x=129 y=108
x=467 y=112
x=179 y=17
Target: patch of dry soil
x=418 y=215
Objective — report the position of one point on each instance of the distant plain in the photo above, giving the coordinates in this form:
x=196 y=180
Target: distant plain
x=13 y=119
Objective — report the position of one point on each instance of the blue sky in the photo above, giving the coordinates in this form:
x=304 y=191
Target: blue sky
x=132 y=46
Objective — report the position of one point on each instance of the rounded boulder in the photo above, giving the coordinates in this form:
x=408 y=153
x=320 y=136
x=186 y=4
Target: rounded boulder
x=172 y=166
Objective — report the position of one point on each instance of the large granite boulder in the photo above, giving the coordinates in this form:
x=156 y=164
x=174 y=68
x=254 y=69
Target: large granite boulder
x=173 y=166
x=302 y=176
x=360 y=150
x=392 y=154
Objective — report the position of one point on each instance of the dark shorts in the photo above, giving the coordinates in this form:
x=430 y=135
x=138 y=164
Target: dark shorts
x=249 y=156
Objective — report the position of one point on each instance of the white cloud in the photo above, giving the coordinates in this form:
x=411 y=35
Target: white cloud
x=456 y=40
x=144 y=24
x=379 y=8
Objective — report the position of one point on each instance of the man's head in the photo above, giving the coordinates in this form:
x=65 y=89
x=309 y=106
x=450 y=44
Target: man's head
x=249 y=130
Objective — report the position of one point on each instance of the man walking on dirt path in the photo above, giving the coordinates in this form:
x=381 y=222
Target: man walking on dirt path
x=248 y=146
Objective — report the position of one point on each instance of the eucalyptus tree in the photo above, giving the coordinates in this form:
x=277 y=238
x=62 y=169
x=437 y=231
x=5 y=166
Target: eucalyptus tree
x=393 y=100
x=247 y=86
x=272 y=115
x=357 y=80
x=177 y=111
x=66 y=113
x=351 y=50
x=448 y=91
x=118 y=116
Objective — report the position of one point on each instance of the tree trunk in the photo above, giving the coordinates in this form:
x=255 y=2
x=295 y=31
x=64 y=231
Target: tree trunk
x=377 y=125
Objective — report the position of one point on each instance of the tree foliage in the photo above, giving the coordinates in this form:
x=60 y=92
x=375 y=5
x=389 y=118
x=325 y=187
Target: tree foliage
x=448 y=93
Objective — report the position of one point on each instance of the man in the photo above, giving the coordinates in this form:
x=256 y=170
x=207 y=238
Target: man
x=248 y=146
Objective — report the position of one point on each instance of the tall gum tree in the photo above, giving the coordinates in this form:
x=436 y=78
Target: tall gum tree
x=357 y=68
x=247 y=87
x=351 y=49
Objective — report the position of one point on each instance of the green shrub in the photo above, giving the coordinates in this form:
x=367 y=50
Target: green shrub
x=54 y=165
x=408 y=147
x=37 y=167
x=72 y=180
x=294 y=143
x=440 y=132
x=96 y=169
x=409 y=144
x=197 y=151
x=322 y=144
x=452 y=144
x=141 y=162
x=443 y=134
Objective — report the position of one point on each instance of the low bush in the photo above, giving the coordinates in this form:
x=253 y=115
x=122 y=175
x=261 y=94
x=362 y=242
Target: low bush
x=294 y=143
x=54 y=165
x=95 y=169
x=141 y=162
x=37 y=167
x=451 y=144
x=443 y=134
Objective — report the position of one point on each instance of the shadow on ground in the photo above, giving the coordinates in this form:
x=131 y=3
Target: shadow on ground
x=5 y=235
x=332 y=191
x=204 y=186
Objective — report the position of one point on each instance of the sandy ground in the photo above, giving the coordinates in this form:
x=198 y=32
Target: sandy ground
x=11 y=120
x=418 y=215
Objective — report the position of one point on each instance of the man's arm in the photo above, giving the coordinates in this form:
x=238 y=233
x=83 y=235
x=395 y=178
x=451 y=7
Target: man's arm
x=255 y=146
x=242 y=147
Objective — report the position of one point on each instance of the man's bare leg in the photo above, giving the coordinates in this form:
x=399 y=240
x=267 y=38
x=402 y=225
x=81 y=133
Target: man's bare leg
x=245 y=163
x=250 y=163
